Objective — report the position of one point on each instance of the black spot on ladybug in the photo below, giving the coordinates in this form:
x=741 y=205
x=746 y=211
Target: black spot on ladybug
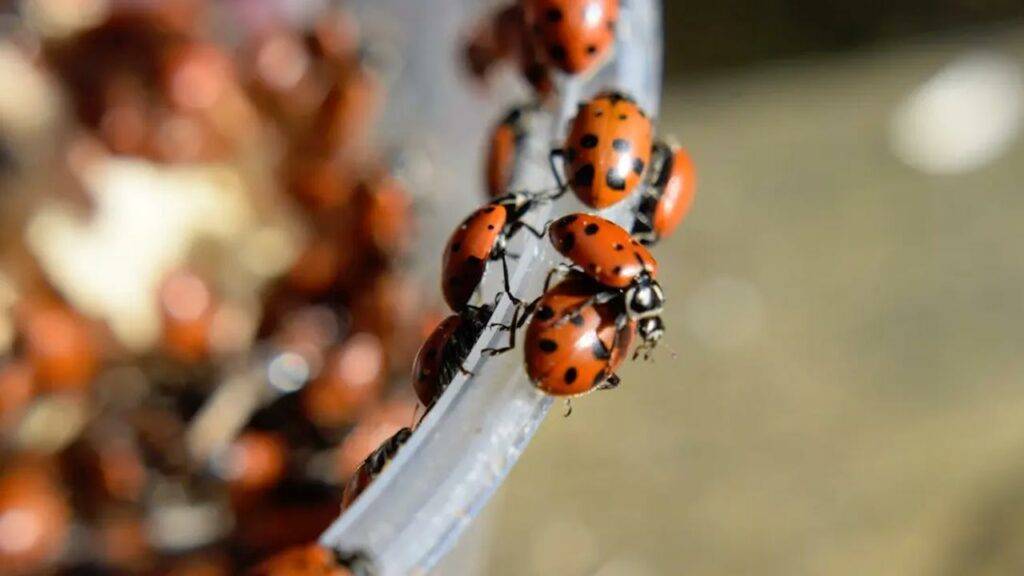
x=598 y=113
x=567 y=243
x=614 y=180
x=584 y=177
x=611 y=25
x=591 y=229
x=567 y=221
x=621 y=145
x=553 y=15
x=490 y=226
x=618 y=247
x=617 y=270
x=557 y=52
x=623 y=116
x=638 y=166
x=576 y=319
x=591 y=49
x=489 y=209
x=570 y=375
x=456 y=247
x=588 y=141
x=547 y=346
x=545 y=313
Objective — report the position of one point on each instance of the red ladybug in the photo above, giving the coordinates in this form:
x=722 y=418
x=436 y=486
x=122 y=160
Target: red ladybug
x=482 y=237
x=607 y=150
x=506 y=142
x=669 y=197
x=574 y=342
x=444 y=351
x=573 y=34
x=373 y=466
x=605 y=252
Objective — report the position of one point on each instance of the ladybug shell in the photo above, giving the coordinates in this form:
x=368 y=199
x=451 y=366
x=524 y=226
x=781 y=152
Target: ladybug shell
x=426 y=371
x=677 y=187
x=373 y=466
x=573 y=34
x=310 y=560
x=605 y=251
x=467 y=252
x=571 y=350
x=502 y=152
x=608 y=148
x=28 y=492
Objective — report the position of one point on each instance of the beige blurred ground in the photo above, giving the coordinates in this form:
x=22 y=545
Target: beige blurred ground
x=848 y=396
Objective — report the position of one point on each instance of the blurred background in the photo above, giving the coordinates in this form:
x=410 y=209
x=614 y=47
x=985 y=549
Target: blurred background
x=184 y=221
x=845 y=309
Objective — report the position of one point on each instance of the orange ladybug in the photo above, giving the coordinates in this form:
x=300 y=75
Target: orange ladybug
x=506 y=142
x=373 y=466
x=187 y=309
x=36 y=518
x=60 y=345
x=254 y=462
x=572 y=34
x=607 y=150
x=669 y=197
x=483 y=236
x=574 y=341
x=444 y=351
x=605 y=252
x=351 y=379
x=312 y=560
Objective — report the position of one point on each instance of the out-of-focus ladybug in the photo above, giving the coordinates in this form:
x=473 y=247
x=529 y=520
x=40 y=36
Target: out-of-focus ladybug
x=312 y=560
x=36 y=518
x=573 y=34
x=505 y=147
x=444 y=351
x=349 y=111
x=16 y=391
x=667 y=199
x=482 y=237
x=373 y=466
x=536 y=72
x=253 y=462
x=605 y=252
x=607 y=150
x=60 y=345
x=574 y=341
x=498 y=37
x=384 y=215
x=351 y=379
x=187 y=309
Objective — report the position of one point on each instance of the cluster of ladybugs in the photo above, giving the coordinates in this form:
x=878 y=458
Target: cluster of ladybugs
x=580 y=329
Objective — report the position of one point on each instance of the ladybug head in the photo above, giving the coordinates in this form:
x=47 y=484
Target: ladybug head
x=644 y=299
x=651 y=330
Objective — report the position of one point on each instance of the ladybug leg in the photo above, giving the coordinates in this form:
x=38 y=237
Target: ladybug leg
x=568 y=408
x=511 y=327
x=611 y=382
x=537 y=233
x=562 y=187
x=508 y=286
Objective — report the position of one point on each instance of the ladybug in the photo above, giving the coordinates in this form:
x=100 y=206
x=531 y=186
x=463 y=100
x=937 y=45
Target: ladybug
x=574 y=342
x=506 y=143
x=444 y=351
x=607 y=150
x=33 y=501
x=310 y=560
x=572 y=34
x=606 y=253
x=483 y=236
x=373 y=466
x=668 y=199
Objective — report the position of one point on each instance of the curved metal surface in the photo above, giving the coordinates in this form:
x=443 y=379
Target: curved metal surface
x=415 y=511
